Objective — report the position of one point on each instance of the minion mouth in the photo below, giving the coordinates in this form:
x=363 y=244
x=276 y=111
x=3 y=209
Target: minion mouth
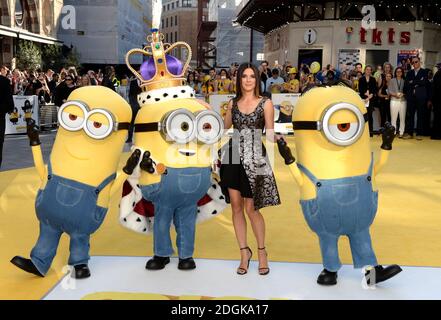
x=187 y=152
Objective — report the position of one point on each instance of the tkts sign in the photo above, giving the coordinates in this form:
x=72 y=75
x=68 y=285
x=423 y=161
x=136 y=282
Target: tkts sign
x=377 y=36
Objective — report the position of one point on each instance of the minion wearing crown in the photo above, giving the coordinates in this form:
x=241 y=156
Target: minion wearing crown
x=178 y=136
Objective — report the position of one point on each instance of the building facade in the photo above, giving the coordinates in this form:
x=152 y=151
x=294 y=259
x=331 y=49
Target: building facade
x=105 y=30
x=31 y=20
x=233 y=43
x=180 y=23
x=342 y=43
x=338 y=33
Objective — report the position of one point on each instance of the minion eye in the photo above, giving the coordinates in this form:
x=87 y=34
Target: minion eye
x=209 y=127
x=97 y=128
x=71 y=121
x=343 y=127
x=71 y=115
x=344 y=131
x=182 y=127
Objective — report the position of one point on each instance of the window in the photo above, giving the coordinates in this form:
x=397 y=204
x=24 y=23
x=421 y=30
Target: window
x=171 y=37
x=186 y=3
x=176 y=36
x=19 y=13
x=163 y=24
x=260 y=57
x=171 y=21
x=163 y=8
x=176 y=20
x=168 y=7
x=166 y=23
x=166 y=37
x=173 y=5
x=177 y=4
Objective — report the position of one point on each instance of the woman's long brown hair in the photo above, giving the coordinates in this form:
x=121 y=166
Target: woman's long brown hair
x=240 y=72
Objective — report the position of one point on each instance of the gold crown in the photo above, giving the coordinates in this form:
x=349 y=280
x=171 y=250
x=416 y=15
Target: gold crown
x=158 y=50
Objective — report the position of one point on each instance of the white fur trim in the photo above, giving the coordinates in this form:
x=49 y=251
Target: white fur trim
x=166 y=94
x=140 y=224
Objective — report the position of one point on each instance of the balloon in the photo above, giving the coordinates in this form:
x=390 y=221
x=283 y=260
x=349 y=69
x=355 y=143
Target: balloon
x=315 y=67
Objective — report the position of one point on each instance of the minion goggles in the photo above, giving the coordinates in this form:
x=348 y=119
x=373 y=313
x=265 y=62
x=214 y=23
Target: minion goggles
x=344 y=134
x=80 y=120
x=182 y=126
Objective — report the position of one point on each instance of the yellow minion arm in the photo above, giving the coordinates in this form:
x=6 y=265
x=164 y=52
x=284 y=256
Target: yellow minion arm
x=297 y=174
x=118 y=183
x=39 y=163
x=384 y=157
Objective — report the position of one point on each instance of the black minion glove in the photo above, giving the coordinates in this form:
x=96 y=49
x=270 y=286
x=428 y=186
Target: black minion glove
x=285 y=152
x=388 y=133
x=132 y=162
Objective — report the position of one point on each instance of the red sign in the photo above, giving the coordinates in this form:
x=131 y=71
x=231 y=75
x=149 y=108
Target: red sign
x=377 y=36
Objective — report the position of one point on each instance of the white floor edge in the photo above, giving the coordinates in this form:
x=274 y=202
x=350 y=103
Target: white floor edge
x=217 y=279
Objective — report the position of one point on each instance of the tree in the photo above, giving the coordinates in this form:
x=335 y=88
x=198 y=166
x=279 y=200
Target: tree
x=28 y=55
x=73 y=58
x=52 y=57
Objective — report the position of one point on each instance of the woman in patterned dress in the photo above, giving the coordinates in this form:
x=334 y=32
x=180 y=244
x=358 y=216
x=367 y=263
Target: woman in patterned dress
x=246 y=175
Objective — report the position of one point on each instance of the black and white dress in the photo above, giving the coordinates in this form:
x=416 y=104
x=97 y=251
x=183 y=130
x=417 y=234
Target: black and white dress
x=245 y=165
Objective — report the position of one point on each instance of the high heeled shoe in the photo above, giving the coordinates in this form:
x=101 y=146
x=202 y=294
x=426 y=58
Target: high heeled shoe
x=242 y=271
x=264 y=271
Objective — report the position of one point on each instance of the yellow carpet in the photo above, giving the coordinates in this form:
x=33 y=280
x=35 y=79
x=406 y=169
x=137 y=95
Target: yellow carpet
x=407 y=229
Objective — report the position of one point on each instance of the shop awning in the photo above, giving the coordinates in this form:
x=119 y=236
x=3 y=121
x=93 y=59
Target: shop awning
x=267 y=15
x=251 y=15
x=26 y=35
x=9 y=32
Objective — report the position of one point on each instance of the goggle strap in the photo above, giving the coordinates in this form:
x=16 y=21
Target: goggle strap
x=124 y=126
x=314 y=125
x=305 y=125
x=147 y=127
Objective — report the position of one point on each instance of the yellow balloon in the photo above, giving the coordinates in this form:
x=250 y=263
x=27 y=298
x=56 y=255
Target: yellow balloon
x=315 y=67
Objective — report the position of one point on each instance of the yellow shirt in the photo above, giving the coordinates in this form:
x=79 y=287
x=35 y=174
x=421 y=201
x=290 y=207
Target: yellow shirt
x=223 y=86
x=355 y=84
x=293 y=84
x=204 y=88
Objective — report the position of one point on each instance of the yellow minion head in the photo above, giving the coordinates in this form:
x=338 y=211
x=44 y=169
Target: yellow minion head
x=93 y=128
x=287 y=108
x=331 y=129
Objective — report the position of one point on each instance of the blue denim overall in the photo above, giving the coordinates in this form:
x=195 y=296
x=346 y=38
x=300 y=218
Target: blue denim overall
x=345 y=206
x=175 y=199
x=71 y=207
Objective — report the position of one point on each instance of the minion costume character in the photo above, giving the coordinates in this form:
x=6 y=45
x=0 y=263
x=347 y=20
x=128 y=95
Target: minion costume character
x=14 y=116
x=174 y=131
x=80 y=177
x=336 y=175
x=28 y=110
x=286 y=110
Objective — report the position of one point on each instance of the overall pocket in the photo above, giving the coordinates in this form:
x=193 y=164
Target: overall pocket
x=345 y=194
x=68 y=196
x=189 y=183
x=367 y=215
x=311 y=213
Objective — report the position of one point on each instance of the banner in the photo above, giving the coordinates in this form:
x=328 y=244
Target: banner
x=284 y=104
x=26 y=107
x=219 y=102
x=406 y=54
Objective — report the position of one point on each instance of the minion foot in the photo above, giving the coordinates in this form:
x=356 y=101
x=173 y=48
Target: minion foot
x=382 y=273
x=82 y=271
x=327 y=278
x=26 y=265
